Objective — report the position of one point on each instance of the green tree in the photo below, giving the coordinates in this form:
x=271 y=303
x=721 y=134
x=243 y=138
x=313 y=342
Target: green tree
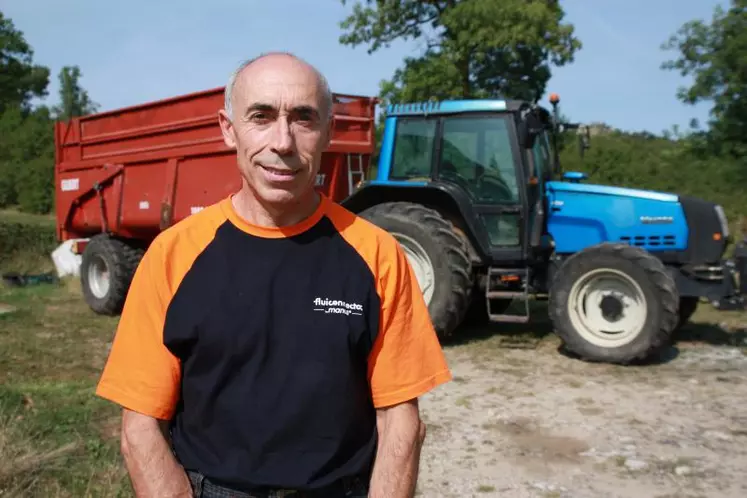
x=74 y=100
x=20 y=79
x=27 y=159
x=472 y=48
x=715 y=55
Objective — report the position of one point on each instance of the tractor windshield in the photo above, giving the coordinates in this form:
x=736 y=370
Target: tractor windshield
x=477 y=154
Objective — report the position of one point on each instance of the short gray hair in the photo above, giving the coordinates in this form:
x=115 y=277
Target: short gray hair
x=228 y=93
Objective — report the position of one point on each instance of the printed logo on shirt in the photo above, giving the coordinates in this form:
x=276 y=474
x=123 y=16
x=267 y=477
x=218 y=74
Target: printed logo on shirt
x=338 y=307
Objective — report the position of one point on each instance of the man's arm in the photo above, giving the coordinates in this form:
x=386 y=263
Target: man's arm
x=401 y=436
x=405 y=363
x=143 y=377
x=153 y=470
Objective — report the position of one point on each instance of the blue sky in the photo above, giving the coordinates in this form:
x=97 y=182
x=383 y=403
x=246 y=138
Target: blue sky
x=136 y=51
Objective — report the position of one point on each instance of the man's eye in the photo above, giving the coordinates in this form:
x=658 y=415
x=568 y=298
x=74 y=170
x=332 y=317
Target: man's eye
x=305 y=117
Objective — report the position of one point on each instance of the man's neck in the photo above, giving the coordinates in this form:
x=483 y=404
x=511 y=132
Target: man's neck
x=254 y=211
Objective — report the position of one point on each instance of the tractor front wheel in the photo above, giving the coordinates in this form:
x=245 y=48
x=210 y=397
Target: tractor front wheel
x=614 y=303
x=437 y=255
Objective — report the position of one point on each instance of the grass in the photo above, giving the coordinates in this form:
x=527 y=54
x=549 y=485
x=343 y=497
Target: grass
x=16 y=216
x=56 y=438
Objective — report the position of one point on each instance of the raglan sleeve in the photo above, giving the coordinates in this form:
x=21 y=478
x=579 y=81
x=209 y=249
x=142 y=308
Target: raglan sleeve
x=140 y=373
x=407 y=360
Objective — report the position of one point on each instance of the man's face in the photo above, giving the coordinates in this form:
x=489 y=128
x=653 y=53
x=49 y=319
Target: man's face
x=279 y=128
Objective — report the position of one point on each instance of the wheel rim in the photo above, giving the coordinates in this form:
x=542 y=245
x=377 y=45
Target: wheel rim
x=421 y=265
x=607 y=308
x=98 y=277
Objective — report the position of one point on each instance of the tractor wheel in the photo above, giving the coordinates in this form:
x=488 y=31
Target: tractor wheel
x=106 y=272
x=613 y=303
x=688 y=306
x=437 y=255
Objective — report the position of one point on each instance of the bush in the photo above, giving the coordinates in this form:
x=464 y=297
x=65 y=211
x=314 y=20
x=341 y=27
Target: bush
x=25 y=241
x=656 y=163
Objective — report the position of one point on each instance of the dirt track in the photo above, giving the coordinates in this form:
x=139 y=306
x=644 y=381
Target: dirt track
x=532 y=422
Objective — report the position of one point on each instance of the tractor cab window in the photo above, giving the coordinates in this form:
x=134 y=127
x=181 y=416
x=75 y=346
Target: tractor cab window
x=476 y=154
x=413 y=149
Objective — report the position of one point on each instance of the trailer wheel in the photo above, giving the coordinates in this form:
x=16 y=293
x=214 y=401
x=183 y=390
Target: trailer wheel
x=437 y=255
x=106 y=272
x=613 y=303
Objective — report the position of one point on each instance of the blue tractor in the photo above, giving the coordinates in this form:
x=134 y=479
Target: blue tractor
x=474 y=193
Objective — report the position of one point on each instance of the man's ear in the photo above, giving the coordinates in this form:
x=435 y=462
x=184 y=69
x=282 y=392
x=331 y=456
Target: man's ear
x=227 y=129
x=330 y=129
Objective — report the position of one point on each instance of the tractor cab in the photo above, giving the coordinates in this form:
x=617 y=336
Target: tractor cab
x=484 y=161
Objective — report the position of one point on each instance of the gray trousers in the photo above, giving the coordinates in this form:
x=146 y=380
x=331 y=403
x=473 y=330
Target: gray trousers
x=204 y=488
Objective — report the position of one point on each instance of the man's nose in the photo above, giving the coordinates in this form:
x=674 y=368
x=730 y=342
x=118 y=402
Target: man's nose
x=282 y=138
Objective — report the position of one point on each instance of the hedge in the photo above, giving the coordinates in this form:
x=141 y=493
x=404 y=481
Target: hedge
x=21 y=241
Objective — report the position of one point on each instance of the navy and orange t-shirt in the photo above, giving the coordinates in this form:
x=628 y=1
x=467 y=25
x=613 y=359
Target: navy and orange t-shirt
x=269 y=349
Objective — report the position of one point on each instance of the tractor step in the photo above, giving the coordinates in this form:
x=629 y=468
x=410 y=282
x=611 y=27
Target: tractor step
x=510 y=318
x=508 y=277
x=504 y=294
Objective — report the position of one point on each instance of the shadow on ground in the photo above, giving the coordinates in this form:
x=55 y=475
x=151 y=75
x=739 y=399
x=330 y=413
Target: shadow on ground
x=709 y=329
x=476 y=330
x=712 y=334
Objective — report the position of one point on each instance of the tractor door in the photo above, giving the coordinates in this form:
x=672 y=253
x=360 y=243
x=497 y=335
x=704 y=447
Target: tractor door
x=479 y=153
x=538 y=171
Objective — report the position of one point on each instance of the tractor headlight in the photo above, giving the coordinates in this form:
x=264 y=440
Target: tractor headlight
x=722 y=219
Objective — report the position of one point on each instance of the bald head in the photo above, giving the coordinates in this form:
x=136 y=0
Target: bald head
x=275 y=68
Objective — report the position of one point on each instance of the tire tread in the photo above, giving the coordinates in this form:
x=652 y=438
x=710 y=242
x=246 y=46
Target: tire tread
x=664 y=286
x=125 y=258
x=455 y=248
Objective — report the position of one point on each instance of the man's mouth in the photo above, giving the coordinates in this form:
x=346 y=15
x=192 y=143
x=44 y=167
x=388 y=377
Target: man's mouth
x=279 y=174
x=279 y=171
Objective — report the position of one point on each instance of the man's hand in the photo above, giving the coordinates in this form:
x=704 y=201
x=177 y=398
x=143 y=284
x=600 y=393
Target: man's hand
x=401 y=436
x=153 y=470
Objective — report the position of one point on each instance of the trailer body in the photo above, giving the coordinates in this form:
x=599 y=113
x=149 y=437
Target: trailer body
x=135 y=171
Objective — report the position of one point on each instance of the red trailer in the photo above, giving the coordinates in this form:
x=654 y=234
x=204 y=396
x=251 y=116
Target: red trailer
x=123 y=176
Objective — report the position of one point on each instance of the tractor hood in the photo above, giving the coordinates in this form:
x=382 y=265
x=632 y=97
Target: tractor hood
x=592 y=189
x=688 y=229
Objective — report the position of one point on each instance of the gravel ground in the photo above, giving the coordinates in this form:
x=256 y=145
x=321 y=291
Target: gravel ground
x=530 y=422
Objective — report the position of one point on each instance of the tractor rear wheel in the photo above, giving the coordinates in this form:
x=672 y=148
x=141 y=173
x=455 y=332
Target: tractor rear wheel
x=437 y=255
x=614 y=303
x=106 y=272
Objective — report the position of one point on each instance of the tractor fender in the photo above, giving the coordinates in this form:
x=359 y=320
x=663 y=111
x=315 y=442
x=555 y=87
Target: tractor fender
x=447 y=199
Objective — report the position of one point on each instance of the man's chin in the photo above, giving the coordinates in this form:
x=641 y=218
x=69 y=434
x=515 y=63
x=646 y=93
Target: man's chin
x=282 y=195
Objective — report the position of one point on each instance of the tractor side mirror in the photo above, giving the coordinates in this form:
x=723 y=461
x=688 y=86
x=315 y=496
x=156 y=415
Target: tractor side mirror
x=526 y=140
x=529 y=127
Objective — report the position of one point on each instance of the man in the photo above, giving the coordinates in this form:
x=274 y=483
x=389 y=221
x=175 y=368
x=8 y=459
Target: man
x=274 y=341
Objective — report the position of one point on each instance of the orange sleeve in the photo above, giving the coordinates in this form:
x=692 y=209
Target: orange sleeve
x=141 y=374
x=407 y=360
